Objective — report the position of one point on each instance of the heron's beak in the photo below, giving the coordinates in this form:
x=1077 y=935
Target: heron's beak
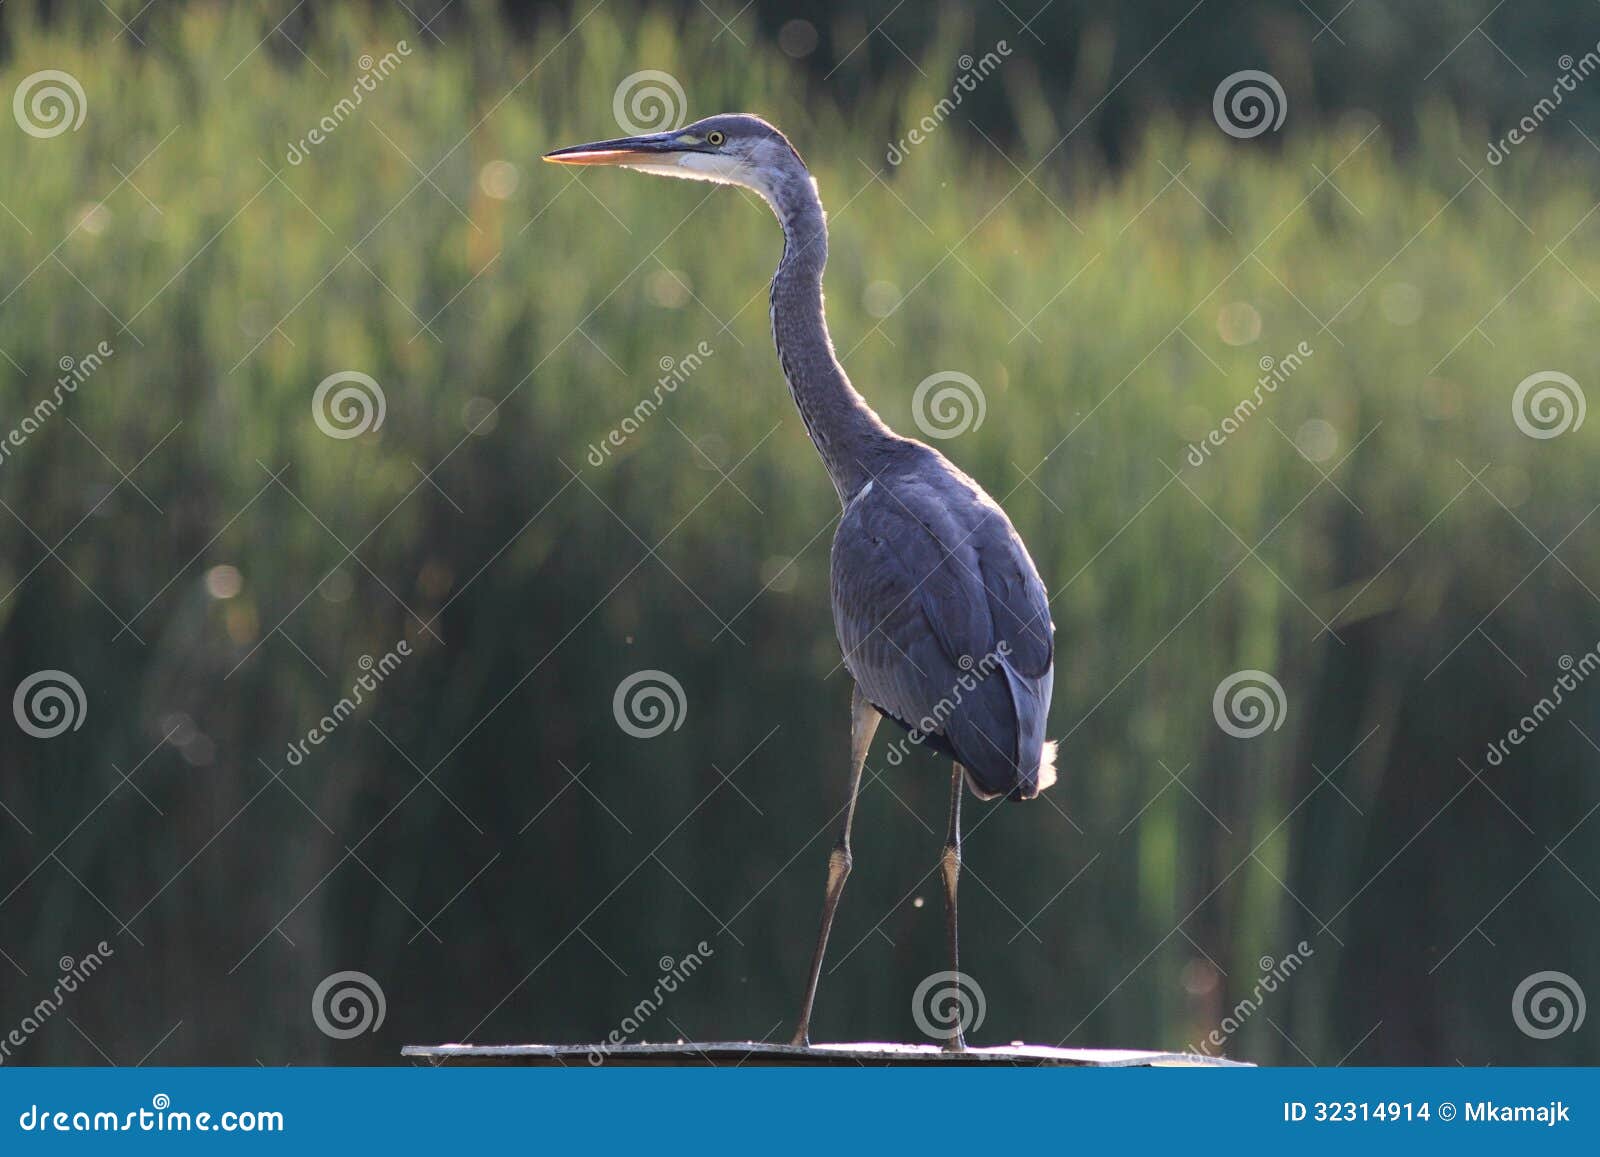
x=621 y=151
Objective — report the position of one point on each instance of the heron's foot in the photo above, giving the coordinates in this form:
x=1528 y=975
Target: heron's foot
x=802 y=1039
x=956 y=1044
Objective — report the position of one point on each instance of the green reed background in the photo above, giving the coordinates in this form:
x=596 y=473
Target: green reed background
x=1111 y=317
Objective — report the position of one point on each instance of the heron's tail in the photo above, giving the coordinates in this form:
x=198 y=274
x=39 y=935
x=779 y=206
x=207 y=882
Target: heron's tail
x=1047 y=767
x=1043 y=778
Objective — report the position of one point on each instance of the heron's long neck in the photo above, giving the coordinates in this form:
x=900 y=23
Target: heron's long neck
x=842 y=426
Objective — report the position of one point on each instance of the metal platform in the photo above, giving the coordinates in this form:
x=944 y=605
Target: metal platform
x=863 y=1053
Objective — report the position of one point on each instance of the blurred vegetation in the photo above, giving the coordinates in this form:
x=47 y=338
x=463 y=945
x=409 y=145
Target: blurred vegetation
x=514 y=313
x=1335 y=59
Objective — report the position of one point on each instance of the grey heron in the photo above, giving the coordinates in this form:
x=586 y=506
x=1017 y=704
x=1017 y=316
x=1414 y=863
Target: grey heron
x=940 y=612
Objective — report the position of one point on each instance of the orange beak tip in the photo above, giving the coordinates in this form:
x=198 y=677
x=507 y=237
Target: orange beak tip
x=596 y=157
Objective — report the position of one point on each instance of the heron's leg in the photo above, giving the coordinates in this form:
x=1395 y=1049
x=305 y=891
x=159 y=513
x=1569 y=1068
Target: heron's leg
x=950 y=869
x=863 y=724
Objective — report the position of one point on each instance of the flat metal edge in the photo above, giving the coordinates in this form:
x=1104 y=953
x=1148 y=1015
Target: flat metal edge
x=760 y=1052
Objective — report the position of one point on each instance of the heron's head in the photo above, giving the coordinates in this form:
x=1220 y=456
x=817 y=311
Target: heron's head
x=732 y=148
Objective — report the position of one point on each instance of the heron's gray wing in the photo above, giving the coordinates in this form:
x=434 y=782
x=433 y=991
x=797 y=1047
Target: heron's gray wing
x=1021 y=611
x=917 y=626
x=1018 y=603
x=976 y=582
x=890 y=648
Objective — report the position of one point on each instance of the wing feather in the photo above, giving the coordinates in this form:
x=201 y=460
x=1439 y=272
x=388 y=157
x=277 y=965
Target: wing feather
x=929 y=578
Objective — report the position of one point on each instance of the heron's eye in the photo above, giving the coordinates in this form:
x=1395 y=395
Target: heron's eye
x=716 y=137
